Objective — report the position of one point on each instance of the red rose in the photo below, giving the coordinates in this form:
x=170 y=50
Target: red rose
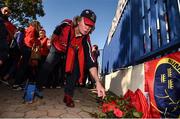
x=118 y=112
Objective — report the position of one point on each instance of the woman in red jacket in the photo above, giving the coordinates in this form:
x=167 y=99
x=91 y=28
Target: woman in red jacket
x=79 y=56
x=72 y=37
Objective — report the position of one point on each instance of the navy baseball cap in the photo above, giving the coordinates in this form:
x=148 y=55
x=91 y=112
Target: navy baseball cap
x=89 y=17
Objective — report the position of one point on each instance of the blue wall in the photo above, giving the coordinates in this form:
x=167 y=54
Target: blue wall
x=146 y=30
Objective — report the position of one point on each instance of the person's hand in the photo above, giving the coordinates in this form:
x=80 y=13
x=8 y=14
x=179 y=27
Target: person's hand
x=100 y=90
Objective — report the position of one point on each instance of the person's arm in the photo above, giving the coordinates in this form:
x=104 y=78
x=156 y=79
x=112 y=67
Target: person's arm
x=91 y=66
x=100 y=89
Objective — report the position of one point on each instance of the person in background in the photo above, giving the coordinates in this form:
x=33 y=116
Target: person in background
x=44 y=49
x=96 y=54
x=7 y=31
x=15 y=54
x=3 y=36
x=72 y=37
x=30 y=40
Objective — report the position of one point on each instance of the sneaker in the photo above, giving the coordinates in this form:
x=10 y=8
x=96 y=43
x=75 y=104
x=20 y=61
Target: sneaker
x=44 y=87
x=16 y=87
x=58 y=87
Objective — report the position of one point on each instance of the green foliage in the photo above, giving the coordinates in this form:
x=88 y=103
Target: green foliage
x=24 y=11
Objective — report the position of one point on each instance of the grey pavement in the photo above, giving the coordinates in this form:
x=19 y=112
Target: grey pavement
x=51 y=106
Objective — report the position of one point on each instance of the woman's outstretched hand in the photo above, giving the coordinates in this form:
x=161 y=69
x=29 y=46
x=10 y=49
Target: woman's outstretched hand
x=100 y=90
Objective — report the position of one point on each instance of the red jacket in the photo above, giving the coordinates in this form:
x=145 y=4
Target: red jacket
x=76 y=48
x=30 y=36
x=60 y=36
x=44 y=50
x=11 y=30
x=81 y=44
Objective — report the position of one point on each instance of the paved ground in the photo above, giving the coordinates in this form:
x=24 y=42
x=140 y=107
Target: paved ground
x=52 y=106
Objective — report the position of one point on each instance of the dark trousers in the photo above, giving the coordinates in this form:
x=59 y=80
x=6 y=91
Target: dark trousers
x=72 y=78
x=24 y=67
x=52 y=60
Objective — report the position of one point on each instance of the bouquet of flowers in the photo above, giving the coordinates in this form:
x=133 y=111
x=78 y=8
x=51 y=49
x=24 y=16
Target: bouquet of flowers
x=117 y=107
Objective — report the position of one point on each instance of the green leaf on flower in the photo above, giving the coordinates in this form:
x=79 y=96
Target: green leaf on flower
x=137 y=114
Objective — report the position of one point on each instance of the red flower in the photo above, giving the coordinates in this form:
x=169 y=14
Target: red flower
x=104 y=107
x=107 y=107
x=113 y=106
x=118 y=112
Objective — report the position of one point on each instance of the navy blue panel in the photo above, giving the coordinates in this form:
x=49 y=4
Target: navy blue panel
x=154 y=26
x=147 y=25
x=115 y=48
x=161 y=14
x=117 y=53
x=104 y=59
x=174 y=19
x=125 y=39
x=136 y=30
x=111 y=51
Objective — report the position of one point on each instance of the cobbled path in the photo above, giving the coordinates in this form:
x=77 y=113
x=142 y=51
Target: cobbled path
x=51 y=106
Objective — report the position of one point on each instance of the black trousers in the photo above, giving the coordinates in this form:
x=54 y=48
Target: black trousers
x=52 y=60
x=24 y=68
